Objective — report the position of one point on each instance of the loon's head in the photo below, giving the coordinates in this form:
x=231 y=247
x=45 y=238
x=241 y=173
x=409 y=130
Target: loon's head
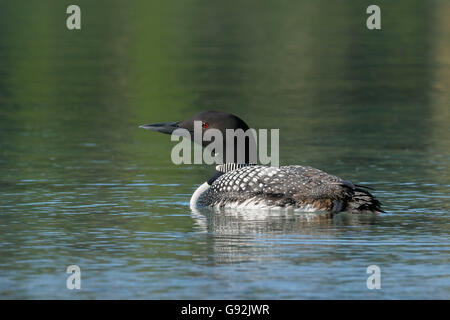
x=209 y=120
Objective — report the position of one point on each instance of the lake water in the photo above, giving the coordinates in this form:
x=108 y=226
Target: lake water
x=81 y=184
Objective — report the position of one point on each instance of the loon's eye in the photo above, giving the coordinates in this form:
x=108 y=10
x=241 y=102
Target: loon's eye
x=205 y=125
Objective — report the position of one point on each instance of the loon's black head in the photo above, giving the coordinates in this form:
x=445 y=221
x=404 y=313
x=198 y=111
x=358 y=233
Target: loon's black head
x=210 y=120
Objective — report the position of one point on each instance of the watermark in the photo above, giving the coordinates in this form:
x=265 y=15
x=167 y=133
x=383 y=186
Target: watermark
x=231 y=146
x=373 y=281
x=73 y=21
x=74 y=280
x=230 y=309
x=374 y=20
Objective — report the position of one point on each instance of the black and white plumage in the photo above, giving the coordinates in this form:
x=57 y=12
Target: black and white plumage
x=244 y=185
x=296 y=187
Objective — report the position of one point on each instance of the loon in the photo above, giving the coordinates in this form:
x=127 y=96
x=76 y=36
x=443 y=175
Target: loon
x=248 y=185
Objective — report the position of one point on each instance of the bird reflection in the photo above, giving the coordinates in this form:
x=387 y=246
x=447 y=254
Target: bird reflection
x=254 y=235
x=251 y=221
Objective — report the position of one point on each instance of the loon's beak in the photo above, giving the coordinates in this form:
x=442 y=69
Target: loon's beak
x=163 y=127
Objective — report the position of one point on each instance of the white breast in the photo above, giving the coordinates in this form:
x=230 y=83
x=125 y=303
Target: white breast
x=200 y=190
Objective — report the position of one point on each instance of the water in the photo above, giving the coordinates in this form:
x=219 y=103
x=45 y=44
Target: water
x=81 y=184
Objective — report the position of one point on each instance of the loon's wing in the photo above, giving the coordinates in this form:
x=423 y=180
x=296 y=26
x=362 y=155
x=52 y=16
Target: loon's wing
x=289 y=186
x=314 y=187
x=332 y=193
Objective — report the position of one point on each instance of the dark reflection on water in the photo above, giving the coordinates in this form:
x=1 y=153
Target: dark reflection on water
x=81 y=184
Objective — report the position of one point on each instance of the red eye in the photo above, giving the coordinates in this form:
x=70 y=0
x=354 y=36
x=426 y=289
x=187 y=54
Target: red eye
x=205 y=125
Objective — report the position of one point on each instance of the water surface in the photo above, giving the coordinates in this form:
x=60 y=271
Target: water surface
x=81 y=184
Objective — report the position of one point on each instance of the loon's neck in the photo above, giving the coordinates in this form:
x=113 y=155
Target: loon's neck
x=232 y=166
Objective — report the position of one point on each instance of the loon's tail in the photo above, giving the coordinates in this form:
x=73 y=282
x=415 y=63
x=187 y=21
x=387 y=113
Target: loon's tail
x=363 y=201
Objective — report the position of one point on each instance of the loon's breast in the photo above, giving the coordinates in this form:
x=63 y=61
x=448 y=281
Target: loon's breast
x=255 y=186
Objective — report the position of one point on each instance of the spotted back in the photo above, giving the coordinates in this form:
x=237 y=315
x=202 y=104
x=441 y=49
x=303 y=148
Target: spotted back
x=284 y=186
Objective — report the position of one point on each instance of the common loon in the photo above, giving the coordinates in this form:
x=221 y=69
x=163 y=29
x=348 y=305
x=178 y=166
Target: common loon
x=246 y=185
